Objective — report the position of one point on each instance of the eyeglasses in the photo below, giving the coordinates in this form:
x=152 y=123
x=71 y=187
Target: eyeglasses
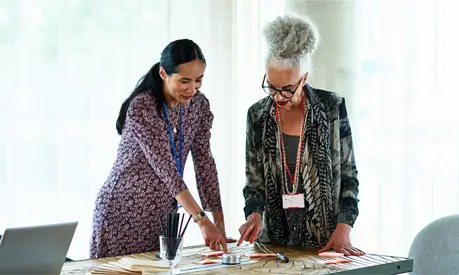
x=272 y=91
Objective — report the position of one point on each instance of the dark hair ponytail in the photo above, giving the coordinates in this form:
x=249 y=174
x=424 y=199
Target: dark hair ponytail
x=150 y=83
x=176 y=53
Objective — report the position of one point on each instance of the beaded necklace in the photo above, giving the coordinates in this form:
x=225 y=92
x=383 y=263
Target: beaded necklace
x=286 y=170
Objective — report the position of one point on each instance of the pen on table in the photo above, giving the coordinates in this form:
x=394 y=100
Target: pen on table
x=282 y=257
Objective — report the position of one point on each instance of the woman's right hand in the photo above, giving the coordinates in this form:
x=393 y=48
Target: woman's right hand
x=250 y=229
x=213 y=237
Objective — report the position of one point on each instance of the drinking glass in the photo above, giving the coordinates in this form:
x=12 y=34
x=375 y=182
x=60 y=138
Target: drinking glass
x=171 y=249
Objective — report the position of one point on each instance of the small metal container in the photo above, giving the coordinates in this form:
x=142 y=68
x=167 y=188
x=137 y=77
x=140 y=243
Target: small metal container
x=231 y=259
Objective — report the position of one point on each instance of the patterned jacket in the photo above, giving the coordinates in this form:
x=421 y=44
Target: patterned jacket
x=328 y=172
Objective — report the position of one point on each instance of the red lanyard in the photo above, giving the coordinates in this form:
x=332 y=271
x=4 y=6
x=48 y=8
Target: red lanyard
x=294 y=179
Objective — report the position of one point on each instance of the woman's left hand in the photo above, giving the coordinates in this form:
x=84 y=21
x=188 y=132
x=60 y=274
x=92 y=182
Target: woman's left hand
x=341 y=242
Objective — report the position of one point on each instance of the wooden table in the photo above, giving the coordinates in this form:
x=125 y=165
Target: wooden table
x=302 y=261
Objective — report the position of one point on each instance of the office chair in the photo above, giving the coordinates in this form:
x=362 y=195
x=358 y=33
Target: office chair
x=435 y=249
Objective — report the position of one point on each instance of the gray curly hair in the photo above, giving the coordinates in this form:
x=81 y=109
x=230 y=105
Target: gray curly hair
x=291 y=40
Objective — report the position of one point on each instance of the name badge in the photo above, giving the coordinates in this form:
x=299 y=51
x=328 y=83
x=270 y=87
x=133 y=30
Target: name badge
x=293 y=201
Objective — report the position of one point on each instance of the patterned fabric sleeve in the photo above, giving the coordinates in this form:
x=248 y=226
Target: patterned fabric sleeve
x=142 y=120
x=254 y=190
x=349 y=182
x=204 y=163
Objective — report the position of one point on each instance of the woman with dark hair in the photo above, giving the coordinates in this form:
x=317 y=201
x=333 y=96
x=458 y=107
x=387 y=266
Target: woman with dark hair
x=164 y=118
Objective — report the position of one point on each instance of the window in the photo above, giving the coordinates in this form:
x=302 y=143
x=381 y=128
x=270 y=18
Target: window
x=66 y=68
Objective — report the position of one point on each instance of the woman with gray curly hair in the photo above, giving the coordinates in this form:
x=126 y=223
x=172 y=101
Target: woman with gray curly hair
x=301 y=186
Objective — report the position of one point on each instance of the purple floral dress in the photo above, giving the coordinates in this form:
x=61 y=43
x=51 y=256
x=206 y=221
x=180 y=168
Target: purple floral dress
x=144 y=179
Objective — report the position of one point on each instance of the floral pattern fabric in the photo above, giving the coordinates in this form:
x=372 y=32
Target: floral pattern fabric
x=144 y=180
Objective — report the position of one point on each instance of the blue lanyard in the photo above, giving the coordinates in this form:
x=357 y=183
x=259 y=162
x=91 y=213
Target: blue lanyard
x=177 y=158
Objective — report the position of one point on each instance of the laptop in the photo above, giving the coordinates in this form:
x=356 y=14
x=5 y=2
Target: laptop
x=35 y=249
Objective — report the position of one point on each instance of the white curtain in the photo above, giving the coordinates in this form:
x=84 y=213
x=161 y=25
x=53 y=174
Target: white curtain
x=395 y=61
x=67 y=65
x=405 y=110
